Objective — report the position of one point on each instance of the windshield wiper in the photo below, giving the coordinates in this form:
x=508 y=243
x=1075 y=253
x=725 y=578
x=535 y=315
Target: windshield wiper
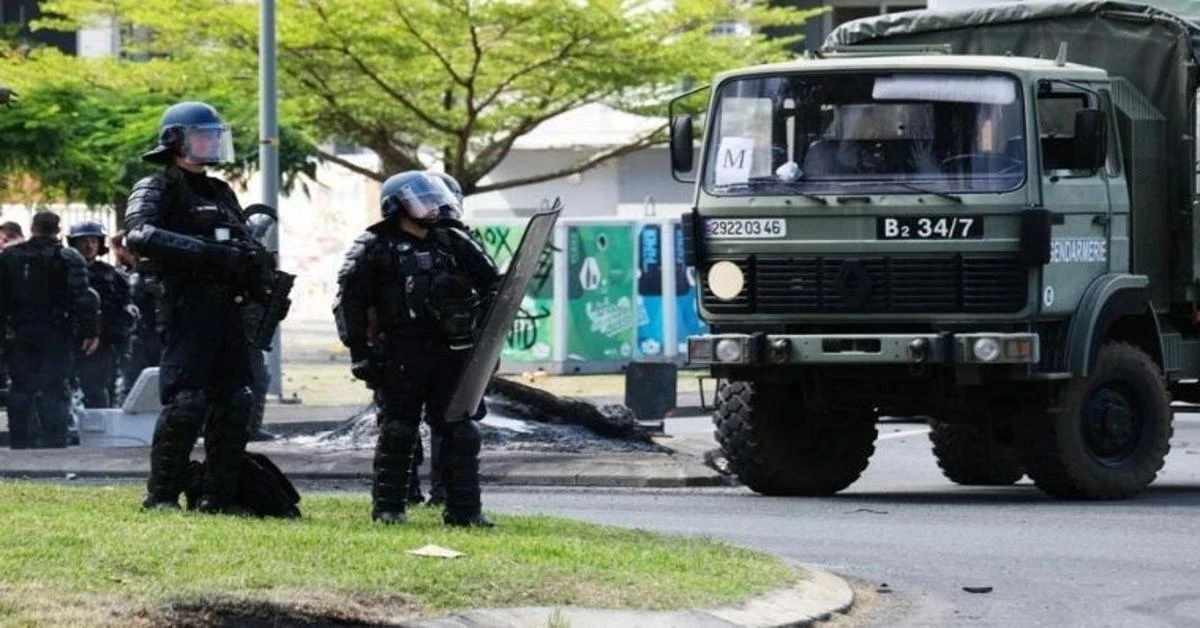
x=916 y=188
x=788 y=185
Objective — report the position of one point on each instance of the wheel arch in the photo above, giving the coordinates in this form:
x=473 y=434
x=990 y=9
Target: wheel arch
x=1114 y=307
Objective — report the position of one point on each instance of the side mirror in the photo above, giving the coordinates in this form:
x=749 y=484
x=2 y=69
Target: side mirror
x=682 y=153
x=1091 y=145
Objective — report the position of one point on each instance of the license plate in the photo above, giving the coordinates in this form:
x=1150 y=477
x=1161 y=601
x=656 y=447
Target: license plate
x=742 y=228
x=930 y=228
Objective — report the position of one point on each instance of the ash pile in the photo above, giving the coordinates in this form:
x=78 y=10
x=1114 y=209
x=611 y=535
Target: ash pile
x=519 y=418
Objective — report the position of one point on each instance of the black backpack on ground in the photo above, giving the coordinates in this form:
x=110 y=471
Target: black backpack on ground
x=263 y=490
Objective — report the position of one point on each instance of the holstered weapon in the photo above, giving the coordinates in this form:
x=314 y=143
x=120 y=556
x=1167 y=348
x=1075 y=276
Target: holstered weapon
x=263 y=317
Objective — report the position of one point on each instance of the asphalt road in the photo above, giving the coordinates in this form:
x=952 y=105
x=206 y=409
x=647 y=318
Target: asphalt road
x=1128 y=563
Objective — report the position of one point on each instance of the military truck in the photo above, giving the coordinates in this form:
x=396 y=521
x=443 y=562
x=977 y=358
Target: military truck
x=983 y=217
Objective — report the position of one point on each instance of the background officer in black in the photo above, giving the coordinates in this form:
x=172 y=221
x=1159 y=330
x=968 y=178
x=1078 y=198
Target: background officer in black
x=97 y=373
x=46 y=303
x=262 y=220
x=145 y=342
x=427 y=285
x=190 y=231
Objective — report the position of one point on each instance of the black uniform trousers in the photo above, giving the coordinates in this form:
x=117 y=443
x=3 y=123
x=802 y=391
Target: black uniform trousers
x=419 y=379
x=97 y=375
x=39 y=399
x=204 y=382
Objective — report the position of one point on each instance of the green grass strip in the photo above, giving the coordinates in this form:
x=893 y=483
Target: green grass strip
x=72 y=547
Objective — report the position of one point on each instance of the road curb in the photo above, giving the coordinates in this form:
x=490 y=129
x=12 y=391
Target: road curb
x=817 y=597
x=626 y=481
x=499 y=469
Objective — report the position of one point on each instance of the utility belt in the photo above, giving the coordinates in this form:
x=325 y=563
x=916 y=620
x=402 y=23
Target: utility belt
x=423 y=339
x=169 y=288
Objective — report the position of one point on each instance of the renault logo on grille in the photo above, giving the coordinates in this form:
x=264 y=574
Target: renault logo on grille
x=853 y=283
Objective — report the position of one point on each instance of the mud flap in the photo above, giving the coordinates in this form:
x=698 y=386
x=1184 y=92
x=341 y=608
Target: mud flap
x=499 y=318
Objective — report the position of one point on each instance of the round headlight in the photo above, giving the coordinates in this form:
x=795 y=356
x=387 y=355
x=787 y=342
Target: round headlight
x=729 y=350
x=986 y=350
x=726 y=280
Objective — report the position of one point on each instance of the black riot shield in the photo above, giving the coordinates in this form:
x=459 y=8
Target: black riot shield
x=489 y=339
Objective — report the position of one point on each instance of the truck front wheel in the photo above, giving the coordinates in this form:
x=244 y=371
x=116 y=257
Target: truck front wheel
x=1109 y=435
x=776 y=447
x=972 y=455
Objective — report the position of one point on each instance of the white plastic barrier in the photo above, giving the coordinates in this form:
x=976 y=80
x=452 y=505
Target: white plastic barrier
x=131 y=425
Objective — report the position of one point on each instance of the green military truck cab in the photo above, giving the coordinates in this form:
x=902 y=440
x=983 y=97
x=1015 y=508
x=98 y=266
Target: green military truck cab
x=983 y=217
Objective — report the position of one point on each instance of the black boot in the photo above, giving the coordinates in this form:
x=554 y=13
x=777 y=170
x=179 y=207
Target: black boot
x=22 y=430
x=461 y=456
x=150 y=502
x=472 y=521
x=256 y=432
x=393 y=460
x=389 y=517
x=174 y=436
x=224 y=447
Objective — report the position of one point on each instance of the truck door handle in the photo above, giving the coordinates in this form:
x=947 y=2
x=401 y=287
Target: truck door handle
x=1100 y=219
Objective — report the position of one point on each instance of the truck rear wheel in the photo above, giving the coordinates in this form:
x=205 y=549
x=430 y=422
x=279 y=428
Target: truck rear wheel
x=972 y=455
x=1110 y=434
x=775 y=447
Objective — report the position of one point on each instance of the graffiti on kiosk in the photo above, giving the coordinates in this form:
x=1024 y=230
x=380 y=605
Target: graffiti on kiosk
x=530 y=327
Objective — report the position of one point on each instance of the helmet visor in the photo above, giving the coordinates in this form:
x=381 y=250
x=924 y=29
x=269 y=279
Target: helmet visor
x=208 y=144
x=264 y=227
x=425 y=198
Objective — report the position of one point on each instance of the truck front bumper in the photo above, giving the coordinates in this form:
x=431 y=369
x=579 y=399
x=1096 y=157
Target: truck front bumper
x=976 y=348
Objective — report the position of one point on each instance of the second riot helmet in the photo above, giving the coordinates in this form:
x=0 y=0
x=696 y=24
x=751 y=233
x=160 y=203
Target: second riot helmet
x=88 y=229
x=194 y=131
x=418 y=195
x=451 y=213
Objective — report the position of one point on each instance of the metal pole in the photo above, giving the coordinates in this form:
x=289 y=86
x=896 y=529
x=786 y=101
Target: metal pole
x=558 y=307
x=667 y=264
x=268 y=156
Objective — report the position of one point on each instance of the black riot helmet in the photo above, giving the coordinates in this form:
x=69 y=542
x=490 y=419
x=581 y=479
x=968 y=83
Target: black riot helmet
x=263 y=223
x=418 y=195
x=88 y=229
x=194 y=131
x=451 y=213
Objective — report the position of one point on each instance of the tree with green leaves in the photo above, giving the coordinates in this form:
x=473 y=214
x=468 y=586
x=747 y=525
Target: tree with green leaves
x=79 y=128
x=455 y=82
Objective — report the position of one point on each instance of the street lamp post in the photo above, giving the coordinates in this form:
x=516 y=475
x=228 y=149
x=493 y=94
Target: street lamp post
x=268 y=155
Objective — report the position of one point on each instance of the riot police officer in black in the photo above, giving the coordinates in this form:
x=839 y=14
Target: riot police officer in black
x=428 y=286
x=97 y=373
x=46 y=303
x=190 y=232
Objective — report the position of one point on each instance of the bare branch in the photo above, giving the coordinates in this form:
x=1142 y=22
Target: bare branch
x=491 y=155
x=351 y=166
x=651 y=139
x=525 y=71
x=428 y=45
x=378 y=81
x=464 y=135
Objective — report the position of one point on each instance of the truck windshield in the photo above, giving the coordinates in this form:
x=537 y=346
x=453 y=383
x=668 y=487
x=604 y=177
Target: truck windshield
x=884 y=132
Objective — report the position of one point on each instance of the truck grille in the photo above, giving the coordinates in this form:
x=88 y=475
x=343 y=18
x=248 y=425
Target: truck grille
x=955 y=283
